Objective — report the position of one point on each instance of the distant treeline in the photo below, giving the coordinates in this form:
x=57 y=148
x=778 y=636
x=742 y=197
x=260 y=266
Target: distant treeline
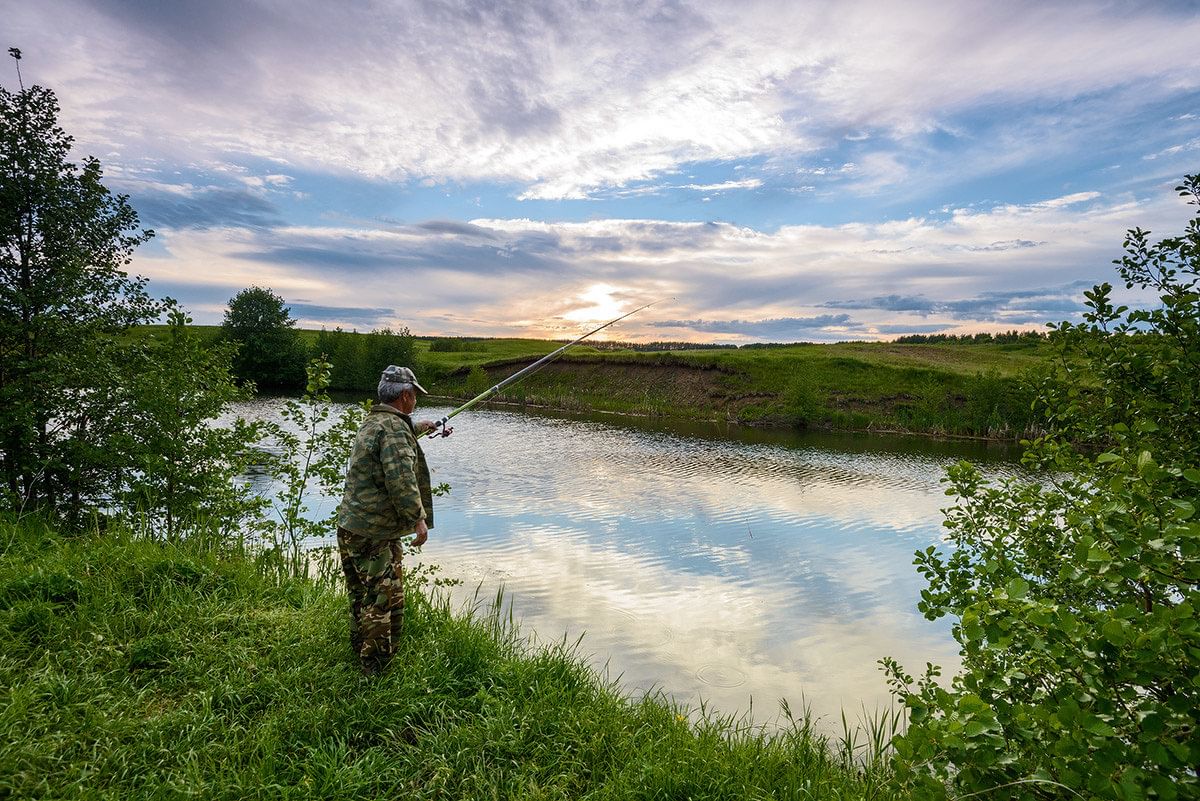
x=651 y=347
x=479 y=345
x=456 y=345
x=1004 y=337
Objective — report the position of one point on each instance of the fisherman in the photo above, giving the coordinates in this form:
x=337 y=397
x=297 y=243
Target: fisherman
x=387 y=497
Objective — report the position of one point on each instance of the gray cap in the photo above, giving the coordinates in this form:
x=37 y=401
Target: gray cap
x=401 y=375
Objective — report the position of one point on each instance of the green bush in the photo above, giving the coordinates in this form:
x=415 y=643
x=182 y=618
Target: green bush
x=456 y=345
x=801 y=402
x=1075 y=595
x=269 y=350
x=358 y=359
x=477 y=381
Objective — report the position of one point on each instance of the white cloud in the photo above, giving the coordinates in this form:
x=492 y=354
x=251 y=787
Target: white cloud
x=1066 y=200
x=725 y=186
x=564 y=98
x=539 y=278
x=1191 y=144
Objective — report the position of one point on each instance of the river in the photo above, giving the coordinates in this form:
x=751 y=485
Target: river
x=727 y=566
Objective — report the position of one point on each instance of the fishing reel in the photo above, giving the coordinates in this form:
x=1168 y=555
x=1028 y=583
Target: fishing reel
x=440 y=429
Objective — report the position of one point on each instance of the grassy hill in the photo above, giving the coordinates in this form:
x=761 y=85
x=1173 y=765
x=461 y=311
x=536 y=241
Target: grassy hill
x=942 y=388
x=945 y=388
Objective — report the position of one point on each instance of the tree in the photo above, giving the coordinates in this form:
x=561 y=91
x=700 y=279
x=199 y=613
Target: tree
x=269 y=350
x=182 y=463
x=312 y=444
x=358 y=359
x=65 y=301
x=1076 y=594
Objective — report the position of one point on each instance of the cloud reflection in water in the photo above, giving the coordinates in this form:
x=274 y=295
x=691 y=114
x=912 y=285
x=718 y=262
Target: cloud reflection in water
x=708 y=568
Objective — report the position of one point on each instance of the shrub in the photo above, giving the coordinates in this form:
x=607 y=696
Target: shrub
x=1076 y=595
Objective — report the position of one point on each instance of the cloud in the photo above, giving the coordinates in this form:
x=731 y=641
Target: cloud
x=1191 y=144
x=781 y=328
x=464 y=248
x=563 y=98
x=725 y=186
x=454 y=228
x=1067 y=200
x=1006 y=306
x=211 y=207
x=1003 y=265
x=339 y=314
x=893 y=329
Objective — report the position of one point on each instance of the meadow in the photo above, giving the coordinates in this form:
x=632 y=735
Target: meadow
x=963 y=389
x=951 y=389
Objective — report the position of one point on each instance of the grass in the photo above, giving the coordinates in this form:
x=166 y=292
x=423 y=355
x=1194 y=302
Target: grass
x=944 y=388
x=137 y=669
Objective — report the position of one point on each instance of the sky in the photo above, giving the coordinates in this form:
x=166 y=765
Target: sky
x=768 y=171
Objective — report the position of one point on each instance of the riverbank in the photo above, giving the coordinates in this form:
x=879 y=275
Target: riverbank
x=137 y=669
x=945 y=389
x=978 y=390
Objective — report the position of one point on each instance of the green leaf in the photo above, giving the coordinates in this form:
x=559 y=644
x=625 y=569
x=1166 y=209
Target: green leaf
x=1192 y=475
x=1185 y=508
x=1099 y=727
x=1017 y=588
x=1114 y=632
x=975 y=728
x=1107 y=457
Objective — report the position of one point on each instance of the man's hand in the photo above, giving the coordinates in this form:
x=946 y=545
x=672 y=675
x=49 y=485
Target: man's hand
x=429 y=426
x=422 y=533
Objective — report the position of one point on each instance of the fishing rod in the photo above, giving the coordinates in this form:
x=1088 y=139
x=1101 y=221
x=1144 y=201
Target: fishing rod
x=522 y=373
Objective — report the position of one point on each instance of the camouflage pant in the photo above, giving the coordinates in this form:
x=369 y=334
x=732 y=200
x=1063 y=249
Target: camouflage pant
x=373 y=579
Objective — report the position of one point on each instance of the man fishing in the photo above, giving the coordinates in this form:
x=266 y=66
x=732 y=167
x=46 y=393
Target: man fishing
x=387 y=497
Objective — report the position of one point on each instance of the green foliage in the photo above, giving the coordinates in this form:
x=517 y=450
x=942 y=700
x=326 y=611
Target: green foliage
x=64 y=299
x=308 y=449
x=456 y=345
x=269 y=351
x=477 y=381
x=985 y=404
x=359 y=359
x=995 y=406
x=182 y=465
x=802 y=402
x=1076 y=595
x=1018 y=338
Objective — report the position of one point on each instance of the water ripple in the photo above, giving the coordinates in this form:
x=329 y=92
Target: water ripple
x=709 y=566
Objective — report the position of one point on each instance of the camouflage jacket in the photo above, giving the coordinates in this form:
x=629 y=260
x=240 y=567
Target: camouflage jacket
x=387 y=485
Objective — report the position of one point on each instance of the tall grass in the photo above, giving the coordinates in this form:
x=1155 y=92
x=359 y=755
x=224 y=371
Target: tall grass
x=139 y=669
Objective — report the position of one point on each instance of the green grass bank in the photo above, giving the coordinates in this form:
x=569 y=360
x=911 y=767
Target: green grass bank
x=946 y=389
x=972 y=389
x=136 y=669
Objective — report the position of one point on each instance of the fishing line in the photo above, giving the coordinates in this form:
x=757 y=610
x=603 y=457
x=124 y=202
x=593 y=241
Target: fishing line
x=439 y=426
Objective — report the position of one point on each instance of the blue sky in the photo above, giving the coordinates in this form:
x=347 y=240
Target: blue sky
x=780 y=171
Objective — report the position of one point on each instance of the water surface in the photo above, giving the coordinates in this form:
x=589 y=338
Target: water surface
x=735 y=567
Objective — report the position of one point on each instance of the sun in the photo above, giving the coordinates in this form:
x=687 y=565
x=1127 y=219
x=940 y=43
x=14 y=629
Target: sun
x=598 y=304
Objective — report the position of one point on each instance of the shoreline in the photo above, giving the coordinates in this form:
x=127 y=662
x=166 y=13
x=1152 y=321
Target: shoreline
x=760 y=425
